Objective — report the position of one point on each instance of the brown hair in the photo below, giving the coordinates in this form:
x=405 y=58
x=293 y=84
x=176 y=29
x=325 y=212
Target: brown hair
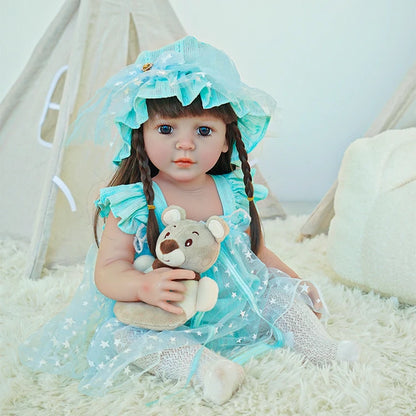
x=138 y=168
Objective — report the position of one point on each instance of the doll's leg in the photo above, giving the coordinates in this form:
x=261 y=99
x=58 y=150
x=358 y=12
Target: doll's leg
x=218 y=377
x=310 y=337
x=307 y=335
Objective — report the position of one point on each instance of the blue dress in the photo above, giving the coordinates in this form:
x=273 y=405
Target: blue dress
x=86 y=341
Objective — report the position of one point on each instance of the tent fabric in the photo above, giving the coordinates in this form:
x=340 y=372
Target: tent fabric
x=94 y=39
x=398 y=113
x=23 y=159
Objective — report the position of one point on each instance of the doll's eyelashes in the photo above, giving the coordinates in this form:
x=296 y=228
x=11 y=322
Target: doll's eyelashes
x=165 y=129
x=204 y=131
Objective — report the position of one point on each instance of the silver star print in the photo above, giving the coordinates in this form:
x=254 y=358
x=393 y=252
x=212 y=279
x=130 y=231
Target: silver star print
x=104 y=344
x=69 y=321
x=108 y=383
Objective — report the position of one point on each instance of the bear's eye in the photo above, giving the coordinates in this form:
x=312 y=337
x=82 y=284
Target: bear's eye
x=167 y=234
x=188 y=242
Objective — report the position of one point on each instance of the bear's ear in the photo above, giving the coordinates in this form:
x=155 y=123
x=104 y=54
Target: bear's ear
x=218 y=227
x=172 y=214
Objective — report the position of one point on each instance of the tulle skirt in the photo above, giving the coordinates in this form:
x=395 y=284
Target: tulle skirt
x=85 y=341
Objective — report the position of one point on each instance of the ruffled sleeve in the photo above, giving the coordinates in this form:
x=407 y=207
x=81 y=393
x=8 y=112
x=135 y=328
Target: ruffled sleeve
x=238 y=193
x=126 y=202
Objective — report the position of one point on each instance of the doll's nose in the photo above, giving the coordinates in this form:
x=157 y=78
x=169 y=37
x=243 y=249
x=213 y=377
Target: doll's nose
x=185 y=144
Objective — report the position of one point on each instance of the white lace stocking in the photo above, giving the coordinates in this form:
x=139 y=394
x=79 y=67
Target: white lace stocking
x=218 y=377
x=306 y=335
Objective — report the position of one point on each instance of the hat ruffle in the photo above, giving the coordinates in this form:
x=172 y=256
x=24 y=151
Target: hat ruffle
x=184 y=69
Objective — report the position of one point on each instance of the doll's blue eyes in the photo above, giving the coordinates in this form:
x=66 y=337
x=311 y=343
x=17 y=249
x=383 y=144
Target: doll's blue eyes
x=202 y=131
x=165 y=129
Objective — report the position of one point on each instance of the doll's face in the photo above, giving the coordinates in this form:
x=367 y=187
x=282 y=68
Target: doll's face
x=184 y=148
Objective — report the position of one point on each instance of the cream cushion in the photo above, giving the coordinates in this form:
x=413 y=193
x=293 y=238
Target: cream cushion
x=372 y=237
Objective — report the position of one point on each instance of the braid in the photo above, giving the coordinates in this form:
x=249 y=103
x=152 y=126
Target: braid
x=146 y=179
x=128 y=172
x=255 y=227
x=136 y=168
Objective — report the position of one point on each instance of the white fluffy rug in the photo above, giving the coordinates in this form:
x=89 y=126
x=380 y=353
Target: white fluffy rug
x=278 y=383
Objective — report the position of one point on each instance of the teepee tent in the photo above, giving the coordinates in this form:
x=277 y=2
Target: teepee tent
x=88 y=42
x=398 y=113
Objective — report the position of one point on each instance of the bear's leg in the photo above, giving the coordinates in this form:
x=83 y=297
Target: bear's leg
x=207 y=294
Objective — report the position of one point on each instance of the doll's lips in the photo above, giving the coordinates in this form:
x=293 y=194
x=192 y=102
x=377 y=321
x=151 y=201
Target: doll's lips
x=184 y=162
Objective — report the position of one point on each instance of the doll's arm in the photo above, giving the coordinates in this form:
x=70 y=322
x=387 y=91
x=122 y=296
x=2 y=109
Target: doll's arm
x=270 y=259
x=117 y=279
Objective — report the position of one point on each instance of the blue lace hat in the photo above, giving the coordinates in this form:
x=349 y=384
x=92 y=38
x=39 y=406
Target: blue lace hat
x=184 y=69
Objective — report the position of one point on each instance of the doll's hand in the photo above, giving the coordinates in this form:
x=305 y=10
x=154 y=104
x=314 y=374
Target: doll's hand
x=160 y=287
x=307 y=288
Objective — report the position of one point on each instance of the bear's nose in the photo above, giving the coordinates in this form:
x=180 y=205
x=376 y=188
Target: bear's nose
x=167 y=246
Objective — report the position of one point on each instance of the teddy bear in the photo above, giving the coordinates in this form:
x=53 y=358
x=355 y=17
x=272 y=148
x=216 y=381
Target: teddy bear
x=183 y=244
